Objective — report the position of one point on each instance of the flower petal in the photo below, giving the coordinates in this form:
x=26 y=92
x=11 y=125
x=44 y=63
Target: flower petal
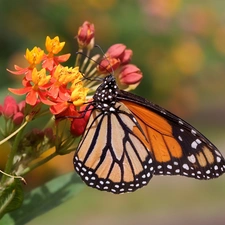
x=20 y=91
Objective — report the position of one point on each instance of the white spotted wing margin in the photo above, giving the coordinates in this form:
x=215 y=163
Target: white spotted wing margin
x=112 y=155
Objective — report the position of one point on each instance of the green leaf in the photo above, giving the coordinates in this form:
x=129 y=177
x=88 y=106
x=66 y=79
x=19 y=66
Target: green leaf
x=44 y=198
x=11 y=197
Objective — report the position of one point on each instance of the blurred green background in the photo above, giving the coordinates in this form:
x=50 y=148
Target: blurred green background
x=180 y=47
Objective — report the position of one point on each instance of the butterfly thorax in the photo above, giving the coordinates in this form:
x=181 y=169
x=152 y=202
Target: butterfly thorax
x=106 y=95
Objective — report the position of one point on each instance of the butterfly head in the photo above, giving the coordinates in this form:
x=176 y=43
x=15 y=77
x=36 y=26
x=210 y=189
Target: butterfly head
x=106 y=94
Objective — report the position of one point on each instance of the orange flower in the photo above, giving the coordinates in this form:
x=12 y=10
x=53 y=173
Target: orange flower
x=53 y=46
x=33 y=57
x=36 y=88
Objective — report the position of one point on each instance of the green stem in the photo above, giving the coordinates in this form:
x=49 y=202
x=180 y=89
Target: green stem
x=78 y=58
x=14 y=133
x=12 y=153
x=32 y=167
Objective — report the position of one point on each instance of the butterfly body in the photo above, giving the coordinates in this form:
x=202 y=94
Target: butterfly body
x=129 y=139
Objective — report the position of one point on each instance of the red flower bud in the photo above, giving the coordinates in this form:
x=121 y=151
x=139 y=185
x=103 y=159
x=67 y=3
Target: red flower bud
x=85 y=35
x=130 y=74
x=78 y=124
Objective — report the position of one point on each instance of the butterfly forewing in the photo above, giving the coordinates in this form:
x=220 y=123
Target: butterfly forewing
x=177 y=147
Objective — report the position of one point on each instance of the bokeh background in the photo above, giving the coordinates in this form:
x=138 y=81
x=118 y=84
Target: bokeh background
x=180 y=47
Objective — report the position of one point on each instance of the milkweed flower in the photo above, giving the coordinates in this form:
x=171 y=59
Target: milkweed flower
x=36 y=88
x=33 y=57
x=53 y=47
x=60 y=87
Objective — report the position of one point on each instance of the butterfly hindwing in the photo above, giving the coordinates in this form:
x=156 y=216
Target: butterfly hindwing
x=112 y=154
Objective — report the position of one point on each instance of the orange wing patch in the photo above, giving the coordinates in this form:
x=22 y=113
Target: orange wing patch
x=150 y=118
x=158 y=132
x=173 y=146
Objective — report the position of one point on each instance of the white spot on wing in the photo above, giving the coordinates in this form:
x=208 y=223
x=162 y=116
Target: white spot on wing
x=218 y=153
x=185 y=166
x=180 y=138
x=111 y=109
x=191 y=158
x=180 y=122
x=169 y=167
x=216 y=167
x=194 y=144
x=218 y=159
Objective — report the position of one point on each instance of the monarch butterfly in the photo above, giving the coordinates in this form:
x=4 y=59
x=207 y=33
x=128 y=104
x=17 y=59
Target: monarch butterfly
x=128 y=139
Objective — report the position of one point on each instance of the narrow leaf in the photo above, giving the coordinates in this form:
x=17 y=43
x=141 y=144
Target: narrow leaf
x=11 y=197
x=45 y=198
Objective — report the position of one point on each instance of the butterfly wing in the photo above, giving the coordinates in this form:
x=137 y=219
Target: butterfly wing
x=113 y=153
x=176 y=147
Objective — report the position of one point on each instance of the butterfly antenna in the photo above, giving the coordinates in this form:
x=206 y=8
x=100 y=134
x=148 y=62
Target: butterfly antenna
x=88 y=69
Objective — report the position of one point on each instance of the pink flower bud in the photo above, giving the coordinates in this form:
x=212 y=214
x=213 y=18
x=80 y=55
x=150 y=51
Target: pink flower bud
x=116 y=51
x=130 y=74
x=119 y=51
x=18 y=118
x=86 y=34
x=9 y=107
x=126 y=56
x=21 y=105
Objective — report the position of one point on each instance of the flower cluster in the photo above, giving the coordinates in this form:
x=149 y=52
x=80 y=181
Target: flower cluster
x=47 y=81
x=64 y=89
x=117 y=60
